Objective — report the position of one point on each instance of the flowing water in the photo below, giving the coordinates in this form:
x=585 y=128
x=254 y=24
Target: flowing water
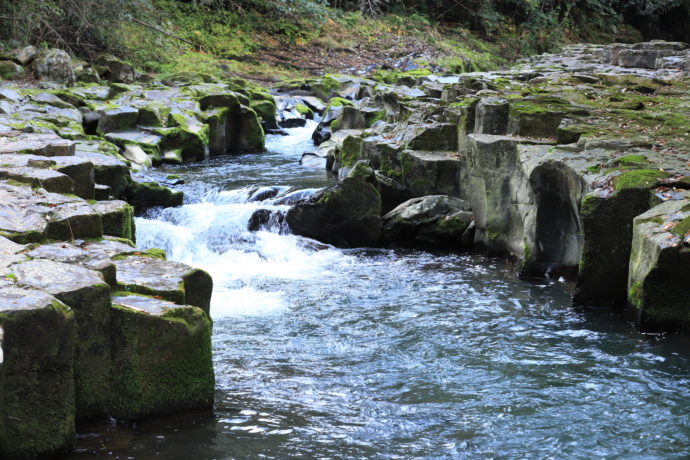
x=327 y=353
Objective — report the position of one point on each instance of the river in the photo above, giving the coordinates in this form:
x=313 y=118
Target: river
x=391 y=354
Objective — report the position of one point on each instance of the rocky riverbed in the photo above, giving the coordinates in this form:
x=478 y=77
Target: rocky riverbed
x=573 y=165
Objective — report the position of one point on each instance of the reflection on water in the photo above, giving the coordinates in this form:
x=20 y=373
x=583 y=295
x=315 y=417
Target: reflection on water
x=325 y=353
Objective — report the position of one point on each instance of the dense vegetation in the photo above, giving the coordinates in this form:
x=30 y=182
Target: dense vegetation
x=236 y=30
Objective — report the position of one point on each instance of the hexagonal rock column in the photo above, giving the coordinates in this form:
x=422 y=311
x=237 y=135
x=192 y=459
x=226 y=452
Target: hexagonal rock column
x=117 y=217
x=108 y=170
x=162 y=359
x=172 y=281
x=658 y=287
x=492 y=116
x=75 y=255
x=432 y=173
x=48 y=145
x=85 y=292
x=28 y=215
x=37 y=405
x=607 y=224
x=235 y=127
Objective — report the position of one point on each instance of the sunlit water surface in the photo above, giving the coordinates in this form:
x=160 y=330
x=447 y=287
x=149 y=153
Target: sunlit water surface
x=327 y=353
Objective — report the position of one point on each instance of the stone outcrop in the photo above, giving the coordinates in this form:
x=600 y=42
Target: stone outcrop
x=660 y=266
x=557 y=157
x=573 y=165
x=90 y=327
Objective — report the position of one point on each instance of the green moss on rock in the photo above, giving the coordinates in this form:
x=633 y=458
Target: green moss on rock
x=641 y=178
x=681 y=228
x=350 y=152
x=161 y=362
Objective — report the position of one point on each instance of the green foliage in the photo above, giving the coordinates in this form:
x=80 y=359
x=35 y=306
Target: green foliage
x=80 y=26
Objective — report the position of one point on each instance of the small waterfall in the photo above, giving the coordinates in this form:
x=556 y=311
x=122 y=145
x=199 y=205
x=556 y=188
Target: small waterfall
x=247 y=266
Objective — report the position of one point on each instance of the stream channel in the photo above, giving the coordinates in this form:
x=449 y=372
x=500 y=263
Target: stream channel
x=327 y=353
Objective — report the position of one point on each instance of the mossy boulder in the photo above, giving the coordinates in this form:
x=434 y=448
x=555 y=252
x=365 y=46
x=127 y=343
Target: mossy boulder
x=266 y=110
x=660 y=267
x=117 y=218
x=11 y=71
x=53 y=65
x=81 y=171
x=349 y=153
x=108 y=167
x=235 y=128
x=603 y=272
x=347 y=214
x=149 y=142
x=144 y=195
x=72 y=219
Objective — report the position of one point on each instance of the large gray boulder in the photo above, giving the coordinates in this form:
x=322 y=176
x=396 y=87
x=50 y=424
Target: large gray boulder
x=117 y=119
x=53 y=65
x=436 y=220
